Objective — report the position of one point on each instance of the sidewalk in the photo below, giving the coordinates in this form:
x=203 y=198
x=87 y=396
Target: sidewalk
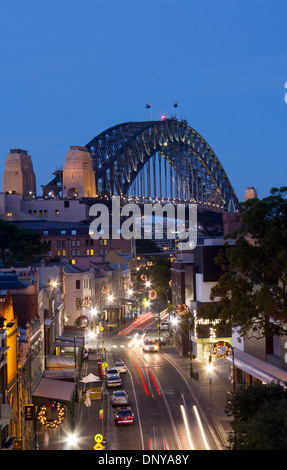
x=210 y=395
x=209 y=392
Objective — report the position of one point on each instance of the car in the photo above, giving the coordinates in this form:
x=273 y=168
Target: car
x=124 y=416
x=164 y=325
x=121 y=368
x=119 y=397
x=150 y=344
x=114 y=381
x=112 y=371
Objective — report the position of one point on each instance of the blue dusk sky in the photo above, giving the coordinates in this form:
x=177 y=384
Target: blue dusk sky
x=72 y=68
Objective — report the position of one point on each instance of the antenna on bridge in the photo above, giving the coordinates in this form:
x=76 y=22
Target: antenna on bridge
x=176 y=106
x=148 y=106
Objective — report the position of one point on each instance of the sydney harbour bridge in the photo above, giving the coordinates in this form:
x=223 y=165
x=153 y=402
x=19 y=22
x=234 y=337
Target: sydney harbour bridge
x=158 y=161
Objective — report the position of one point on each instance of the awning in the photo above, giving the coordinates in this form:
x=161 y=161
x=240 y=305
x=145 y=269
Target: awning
x=50 y=389
x=257 y=368
x=60 y=362
x=60 y=374
x=69 y=339
x=112 y=307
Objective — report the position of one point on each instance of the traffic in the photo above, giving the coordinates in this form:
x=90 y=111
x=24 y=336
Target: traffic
x=151 y=405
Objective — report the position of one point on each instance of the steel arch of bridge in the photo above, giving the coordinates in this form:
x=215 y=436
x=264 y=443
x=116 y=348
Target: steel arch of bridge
x=120 y=153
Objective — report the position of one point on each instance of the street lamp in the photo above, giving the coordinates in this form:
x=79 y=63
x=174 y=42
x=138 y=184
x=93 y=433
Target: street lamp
x=82 y=321
x=130 y=292
x=72 y=440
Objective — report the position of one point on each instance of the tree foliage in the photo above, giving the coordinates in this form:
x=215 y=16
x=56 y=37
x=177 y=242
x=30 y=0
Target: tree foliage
x=18 y=246
x=251 y=295
x=260 y=418
x=159 y=275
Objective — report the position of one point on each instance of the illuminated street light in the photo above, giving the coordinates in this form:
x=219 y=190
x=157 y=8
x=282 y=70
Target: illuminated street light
x=209 y=367
x=110 y=298
x=91 y=335
x=130 y=292
x=94 y=311
x=72 y=440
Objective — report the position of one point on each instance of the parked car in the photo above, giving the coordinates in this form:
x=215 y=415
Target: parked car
x=112 y=371
x=119 y=397
x=114 y=381
x=121 y=368
x=124 y=416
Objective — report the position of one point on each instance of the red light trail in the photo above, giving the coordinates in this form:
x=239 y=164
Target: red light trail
x=146 y=390
x=136 y=323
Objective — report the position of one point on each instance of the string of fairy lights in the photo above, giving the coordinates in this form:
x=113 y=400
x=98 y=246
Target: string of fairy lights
x=47 y=411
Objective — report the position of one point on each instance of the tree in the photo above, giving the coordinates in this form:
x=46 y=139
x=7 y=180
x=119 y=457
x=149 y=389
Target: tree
x=19 y=246
x=251 y=295
x=159 y=275
x=260 y=418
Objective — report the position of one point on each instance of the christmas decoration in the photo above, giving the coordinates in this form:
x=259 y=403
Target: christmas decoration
x=47 y=412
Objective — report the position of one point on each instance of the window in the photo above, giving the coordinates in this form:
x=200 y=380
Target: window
x=105 y=242
x=78 y=284
x=45 y=232
x=101 y=242
x=67 y=204
x=91 y=252
x=35 y=213
x=63 y=232
x=78 y=242
x=64 y=244
x=73 y=252
x=78 y=304
x=74 y=232
x=101 y=252
x=78 y=253
x=40 y=213
x=59 y=252
x=56 y=212
x=58 y=244
x=87 y=252
x=30 y=212
x=106 y=252
x=64 y=252
x=73 y=243
x=45 y=213
x=73 y=261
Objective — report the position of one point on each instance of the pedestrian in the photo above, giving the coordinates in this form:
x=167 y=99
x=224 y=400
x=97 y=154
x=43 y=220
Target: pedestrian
x=85 y=354
x=46 y=440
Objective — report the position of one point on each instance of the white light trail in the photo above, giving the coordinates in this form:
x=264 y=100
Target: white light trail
x=201 y=427
x=186 y=427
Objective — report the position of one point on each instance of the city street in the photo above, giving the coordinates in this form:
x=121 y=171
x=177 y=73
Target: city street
x=166 y=414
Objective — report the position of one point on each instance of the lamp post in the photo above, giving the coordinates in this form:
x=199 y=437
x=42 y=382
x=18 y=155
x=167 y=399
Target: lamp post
x=209 y=369
x=82 y=321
